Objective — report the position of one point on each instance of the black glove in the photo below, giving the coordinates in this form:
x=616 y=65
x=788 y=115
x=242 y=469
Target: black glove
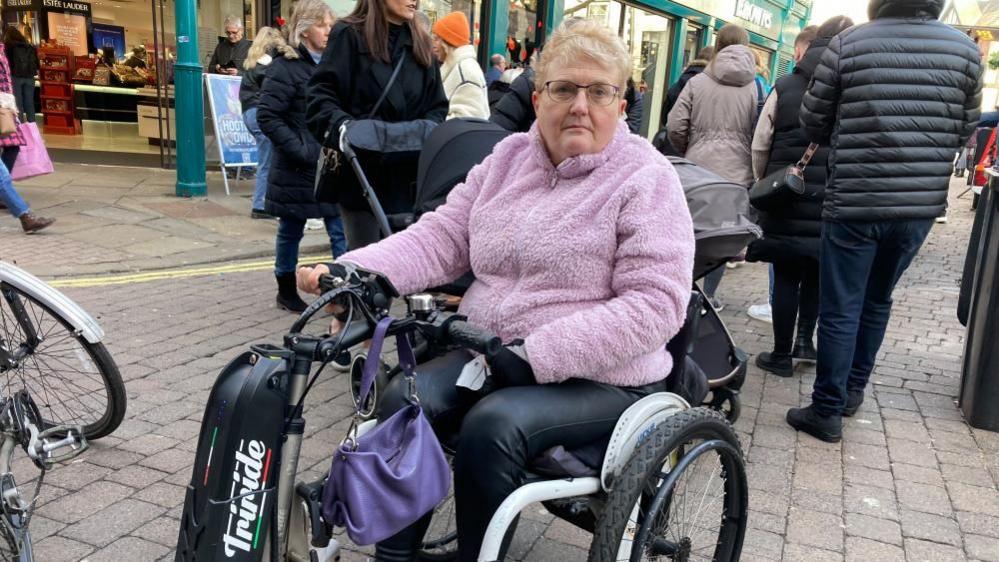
x=507 y=368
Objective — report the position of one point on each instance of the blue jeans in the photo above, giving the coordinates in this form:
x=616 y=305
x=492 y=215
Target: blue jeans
x=9 y=196
x=24 y=96
x=859 y=265
x=289 y=234
x=264 y=147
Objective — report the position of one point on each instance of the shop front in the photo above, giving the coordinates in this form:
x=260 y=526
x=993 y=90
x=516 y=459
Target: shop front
x=105 y=89
x=664 y=36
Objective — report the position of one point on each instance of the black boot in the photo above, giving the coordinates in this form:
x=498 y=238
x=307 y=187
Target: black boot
x=854 y=399
x=287 y=297
x=777 y=363
x=804 y=349
x=826 y=428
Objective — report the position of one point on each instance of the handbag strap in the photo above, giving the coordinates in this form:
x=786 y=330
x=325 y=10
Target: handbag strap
x=407 y=359
x=395 y=72
x=807 y=156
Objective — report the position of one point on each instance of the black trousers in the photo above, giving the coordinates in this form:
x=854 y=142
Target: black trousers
x=795 y=300
x=497 y=437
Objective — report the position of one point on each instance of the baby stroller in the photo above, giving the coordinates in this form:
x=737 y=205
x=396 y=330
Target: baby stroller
x=722 y=229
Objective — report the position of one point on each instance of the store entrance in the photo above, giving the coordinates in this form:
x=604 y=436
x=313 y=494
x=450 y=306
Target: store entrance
x=104 y=92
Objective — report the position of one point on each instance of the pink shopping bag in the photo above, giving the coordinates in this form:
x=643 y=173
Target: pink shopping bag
x=33 y=160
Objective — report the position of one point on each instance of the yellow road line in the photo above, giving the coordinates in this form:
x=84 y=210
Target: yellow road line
x=179 y=273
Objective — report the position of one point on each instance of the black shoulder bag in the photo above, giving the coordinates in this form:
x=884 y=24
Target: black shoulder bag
x=772 y=191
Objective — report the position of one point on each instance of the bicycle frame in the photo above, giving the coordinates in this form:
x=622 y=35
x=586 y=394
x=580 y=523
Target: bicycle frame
x=12 y=498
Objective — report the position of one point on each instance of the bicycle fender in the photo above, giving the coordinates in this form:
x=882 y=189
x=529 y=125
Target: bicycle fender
x=83 y=323
x=633 y=427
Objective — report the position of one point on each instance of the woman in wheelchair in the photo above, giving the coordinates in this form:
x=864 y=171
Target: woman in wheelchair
x=582 y=247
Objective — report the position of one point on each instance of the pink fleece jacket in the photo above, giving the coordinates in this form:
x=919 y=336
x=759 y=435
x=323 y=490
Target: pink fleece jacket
x=590 y=262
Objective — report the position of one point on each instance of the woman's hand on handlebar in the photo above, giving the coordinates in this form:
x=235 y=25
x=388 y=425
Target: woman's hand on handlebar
x=308 y=278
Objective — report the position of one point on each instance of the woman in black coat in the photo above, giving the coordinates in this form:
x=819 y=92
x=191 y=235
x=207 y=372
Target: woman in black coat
x=291 y=180
x=791 y=233
x=364 y=49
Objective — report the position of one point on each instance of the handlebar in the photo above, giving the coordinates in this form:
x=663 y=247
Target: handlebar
x=475 y=338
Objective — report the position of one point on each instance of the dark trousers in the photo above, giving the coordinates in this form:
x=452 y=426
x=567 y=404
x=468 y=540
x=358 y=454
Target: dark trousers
x=795 y=301
x=499 y=435
x=859 y=265
x=24 y=97
x=9 y=156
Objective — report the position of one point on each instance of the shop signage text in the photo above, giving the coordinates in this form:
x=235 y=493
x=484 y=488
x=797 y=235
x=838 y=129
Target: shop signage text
x=746 y=10
x=48 y=6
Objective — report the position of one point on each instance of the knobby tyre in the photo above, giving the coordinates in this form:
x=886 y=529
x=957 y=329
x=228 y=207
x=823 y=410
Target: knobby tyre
x=73 y=381
x=702 y=517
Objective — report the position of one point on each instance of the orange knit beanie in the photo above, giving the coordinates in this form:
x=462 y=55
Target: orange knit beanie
x=453 y=29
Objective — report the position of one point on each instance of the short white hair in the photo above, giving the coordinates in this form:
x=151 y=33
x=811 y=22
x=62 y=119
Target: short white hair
x=578 y=38
x=232 y=21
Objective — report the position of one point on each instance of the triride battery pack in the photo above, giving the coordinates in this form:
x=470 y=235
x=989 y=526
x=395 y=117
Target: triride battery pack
x=227 y=510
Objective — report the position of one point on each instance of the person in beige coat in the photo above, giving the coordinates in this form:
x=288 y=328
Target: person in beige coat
x=712 y=122
x=464 y=82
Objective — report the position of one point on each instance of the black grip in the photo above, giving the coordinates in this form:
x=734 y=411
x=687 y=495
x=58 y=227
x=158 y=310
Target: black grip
x=472 y=337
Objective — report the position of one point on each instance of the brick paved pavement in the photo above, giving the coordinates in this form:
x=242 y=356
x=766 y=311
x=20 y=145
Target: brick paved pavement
x=910 y=481
x=115 y=219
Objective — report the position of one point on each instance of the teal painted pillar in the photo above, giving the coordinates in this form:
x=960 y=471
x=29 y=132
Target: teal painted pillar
x=676 y=50
x=707 y=38
x=499 y=25
x=554 y=15
x=190 y=104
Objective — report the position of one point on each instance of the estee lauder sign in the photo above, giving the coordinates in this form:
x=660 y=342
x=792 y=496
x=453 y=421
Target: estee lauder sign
x=64 y=6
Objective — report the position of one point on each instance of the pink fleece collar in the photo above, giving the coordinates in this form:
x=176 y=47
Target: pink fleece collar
x=583 y=164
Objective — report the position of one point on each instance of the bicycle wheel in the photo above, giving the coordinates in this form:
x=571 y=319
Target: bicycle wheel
x=440 y=543
x=681 y=497
x=73 y=381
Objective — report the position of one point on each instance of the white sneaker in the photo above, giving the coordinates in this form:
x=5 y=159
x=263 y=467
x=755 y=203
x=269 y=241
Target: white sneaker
x=761 y=312
x=941 y=219
x=314 y=224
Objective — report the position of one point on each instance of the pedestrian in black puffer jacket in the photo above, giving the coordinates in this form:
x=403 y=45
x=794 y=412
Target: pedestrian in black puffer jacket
x=894 y=98
x=515 y=110
x=364 y=48
x=791 y=233
x=291 y=180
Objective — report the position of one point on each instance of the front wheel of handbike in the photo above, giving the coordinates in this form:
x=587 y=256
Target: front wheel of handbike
x=73 y=381
x=682 y=496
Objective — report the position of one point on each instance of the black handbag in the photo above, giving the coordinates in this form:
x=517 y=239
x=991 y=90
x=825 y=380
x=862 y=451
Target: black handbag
x=773 y=191
x=329 y=156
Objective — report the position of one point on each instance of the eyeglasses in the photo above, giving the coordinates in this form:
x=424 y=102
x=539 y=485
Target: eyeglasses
x=233 y=33
x=563 y=91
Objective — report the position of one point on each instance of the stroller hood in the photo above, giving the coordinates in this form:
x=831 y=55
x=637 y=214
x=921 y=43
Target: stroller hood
x=720 y=212
x=450 y=152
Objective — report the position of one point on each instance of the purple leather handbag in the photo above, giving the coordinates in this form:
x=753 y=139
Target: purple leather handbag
x=385 y=480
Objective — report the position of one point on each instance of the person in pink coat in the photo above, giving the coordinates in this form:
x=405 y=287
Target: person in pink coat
x=582 y=247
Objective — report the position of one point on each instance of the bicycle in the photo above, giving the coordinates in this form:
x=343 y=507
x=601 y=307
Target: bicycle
x=52 y=348
x=20 y=423
x=672 y=485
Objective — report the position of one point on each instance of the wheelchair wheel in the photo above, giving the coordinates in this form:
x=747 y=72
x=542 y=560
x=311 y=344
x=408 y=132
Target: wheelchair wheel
x=440 y=543
x=370 y=405
x=681 y=497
